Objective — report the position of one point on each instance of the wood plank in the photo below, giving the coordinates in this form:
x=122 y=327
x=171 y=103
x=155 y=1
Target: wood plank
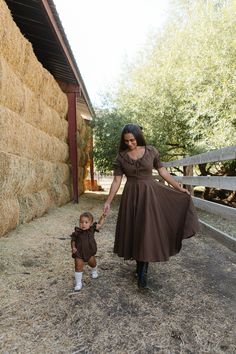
x=215 y=208
x=220 y=236
x=228 y=153
x=228 y=183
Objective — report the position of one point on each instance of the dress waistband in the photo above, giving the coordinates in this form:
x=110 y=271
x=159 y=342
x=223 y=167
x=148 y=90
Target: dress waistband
x=140 y=178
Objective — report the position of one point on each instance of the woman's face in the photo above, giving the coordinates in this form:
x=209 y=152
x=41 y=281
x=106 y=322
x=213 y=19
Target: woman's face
x=130 y=141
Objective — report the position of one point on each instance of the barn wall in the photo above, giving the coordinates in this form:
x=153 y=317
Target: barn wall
x=34 y=155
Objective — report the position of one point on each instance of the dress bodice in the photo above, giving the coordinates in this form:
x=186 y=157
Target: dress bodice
x=141 y=167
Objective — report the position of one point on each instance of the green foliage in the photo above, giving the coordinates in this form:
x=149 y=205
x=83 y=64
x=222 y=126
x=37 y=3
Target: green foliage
x=108 y=125
x=182 y=88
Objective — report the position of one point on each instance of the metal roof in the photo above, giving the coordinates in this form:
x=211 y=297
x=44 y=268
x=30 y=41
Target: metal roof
x=39 y=22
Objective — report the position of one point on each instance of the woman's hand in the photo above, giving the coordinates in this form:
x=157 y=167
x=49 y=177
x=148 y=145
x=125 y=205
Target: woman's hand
x=169 y=179
x=184 y=190
x=106 y=208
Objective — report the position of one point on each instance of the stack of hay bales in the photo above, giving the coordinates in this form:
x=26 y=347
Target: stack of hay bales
x=34 y=170
x=84 y=149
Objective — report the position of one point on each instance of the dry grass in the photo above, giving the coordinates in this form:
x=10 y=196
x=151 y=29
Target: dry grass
x=188 y=308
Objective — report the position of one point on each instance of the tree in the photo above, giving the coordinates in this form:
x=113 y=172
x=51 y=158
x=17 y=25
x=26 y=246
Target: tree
x=107 y=127
x=182 y=87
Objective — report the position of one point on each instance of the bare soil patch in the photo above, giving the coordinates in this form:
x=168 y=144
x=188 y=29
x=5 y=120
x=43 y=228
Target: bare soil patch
x=188 y=308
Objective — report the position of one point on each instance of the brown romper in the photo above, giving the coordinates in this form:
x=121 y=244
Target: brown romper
x=85 y=242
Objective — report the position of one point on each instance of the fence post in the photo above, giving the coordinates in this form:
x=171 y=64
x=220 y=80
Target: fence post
x=188 y=171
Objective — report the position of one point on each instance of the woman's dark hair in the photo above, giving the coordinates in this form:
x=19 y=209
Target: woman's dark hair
x=137 y=133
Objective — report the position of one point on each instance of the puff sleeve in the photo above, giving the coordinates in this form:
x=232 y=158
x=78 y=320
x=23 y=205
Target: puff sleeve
x=94 y=226
x=73 y=235
x=117 y=167
x=156 y=161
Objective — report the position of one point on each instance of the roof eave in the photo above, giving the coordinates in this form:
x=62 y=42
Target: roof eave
x=55 y=23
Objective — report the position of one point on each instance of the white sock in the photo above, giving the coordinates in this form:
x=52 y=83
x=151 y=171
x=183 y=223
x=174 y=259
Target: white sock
x=78 y=280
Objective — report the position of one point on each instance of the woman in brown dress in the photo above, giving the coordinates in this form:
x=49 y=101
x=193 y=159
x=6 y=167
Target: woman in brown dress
x=153 y=218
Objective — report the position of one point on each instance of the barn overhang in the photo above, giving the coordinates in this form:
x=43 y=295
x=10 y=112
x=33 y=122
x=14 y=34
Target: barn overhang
x=39 y=22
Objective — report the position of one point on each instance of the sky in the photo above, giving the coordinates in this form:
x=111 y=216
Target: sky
x=103 y=34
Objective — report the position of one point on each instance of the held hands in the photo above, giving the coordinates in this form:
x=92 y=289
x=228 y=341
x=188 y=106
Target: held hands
x=74 y=250
x=106 y=208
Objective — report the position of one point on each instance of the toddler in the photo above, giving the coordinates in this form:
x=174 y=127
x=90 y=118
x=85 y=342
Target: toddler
x=84 y=247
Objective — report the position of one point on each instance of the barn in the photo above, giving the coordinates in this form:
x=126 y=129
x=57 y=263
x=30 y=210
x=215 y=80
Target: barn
x=45 y=114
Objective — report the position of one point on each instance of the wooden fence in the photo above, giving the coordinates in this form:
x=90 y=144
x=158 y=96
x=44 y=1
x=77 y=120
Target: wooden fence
x=221 y=182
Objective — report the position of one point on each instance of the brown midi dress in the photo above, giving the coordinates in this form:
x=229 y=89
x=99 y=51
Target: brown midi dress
x=153 y=218
x=85 y=242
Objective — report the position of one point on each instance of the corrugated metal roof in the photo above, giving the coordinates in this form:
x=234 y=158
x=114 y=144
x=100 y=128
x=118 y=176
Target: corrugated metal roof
x=33 y=21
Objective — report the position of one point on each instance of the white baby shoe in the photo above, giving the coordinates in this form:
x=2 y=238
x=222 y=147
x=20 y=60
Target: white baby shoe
x=94 y=273
x=78 y=287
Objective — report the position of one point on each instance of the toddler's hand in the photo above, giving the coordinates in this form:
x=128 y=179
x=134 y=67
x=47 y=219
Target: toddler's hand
x=74 y=250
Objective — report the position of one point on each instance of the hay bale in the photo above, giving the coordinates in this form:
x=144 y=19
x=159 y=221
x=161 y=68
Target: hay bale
x=81 y=174
x=41 y=116
x=60 y=173
x=20 y=176
x=20 y=138
x=79 y=120
x=59 y=194
x=12 y=92
x=64 y=136
x=83 y=131
x=51 y=122
x=43 y=84
x=9 y=214
x=19 y=53
x=52 y=94
x=33 y=71
x=33 y=205
x=13 y=45
x=17 y=175
x=83 y=157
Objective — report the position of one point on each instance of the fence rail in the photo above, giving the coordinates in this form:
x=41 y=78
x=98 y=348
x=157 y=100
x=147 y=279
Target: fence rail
x=227 y=153
x=220 y=182
x=215 y=208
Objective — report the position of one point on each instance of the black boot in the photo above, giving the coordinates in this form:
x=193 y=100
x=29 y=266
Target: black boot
x=137 y=265
x=142 y=268
x=136 y=270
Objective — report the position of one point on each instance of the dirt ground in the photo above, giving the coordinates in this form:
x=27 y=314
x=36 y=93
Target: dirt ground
x=188 y=307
